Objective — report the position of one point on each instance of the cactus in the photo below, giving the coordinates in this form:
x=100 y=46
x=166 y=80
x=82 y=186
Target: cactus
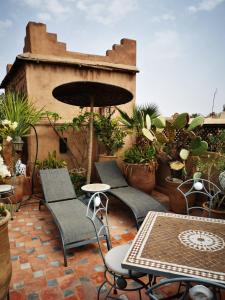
x=198 y=146
x=180 y=121
x=198 y=121
x=184 y=153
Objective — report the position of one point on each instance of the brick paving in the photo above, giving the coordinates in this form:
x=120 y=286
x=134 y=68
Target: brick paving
x=37 y=259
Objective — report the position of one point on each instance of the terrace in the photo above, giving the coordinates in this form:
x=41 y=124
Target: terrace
x=152 y=155
x=37 y=259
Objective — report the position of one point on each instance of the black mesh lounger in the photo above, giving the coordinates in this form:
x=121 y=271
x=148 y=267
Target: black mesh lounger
x=139 y=202
x=69 y=213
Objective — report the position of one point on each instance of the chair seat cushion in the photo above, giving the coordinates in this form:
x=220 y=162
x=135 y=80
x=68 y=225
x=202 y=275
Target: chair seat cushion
x=115 y=257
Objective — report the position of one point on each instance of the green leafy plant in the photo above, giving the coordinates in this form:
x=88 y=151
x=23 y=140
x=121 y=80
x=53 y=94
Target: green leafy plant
x=20 y=111
x=137 y=121
x=51 y=162
x=2 y=210
x=109 y=133
x=139 y=155
x=78 y=126
x=178 y=141
x=78 y=178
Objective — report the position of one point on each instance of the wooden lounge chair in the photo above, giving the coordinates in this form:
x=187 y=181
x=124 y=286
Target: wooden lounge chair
x=139 y=202
x=69 y=213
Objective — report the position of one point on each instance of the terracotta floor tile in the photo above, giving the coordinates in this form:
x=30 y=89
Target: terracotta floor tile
x=17 y=295
x=34 y=243
x=49 y=293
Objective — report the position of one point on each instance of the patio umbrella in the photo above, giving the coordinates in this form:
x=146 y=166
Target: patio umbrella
x=91 y=94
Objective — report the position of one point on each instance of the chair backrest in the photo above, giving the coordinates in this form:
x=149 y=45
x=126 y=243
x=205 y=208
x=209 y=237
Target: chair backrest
x=203 y=290
x=199 y=186
x=97 y=209
x=57 y=185
x=110 y=173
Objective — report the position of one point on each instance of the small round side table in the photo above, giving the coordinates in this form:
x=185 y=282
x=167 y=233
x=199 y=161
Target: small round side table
x=96 y=189
x=6 y=192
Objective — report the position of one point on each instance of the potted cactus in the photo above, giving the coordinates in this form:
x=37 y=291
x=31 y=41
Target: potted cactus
x=179 y=142
x=5 y=261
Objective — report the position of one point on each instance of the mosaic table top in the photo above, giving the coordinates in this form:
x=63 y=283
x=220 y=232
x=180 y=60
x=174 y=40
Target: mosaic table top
x=174 y=245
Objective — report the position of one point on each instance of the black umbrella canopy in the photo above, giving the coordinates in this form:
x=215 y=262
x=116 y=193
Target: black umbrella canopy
x=87 y=93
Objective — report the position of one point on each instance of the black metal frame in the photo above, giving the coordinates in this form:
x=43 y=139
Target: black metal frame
x=92 y=213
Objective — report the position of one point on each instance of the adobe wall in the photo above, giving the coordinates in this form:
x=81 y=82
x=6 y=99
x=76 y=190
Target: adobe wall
x=46 y=64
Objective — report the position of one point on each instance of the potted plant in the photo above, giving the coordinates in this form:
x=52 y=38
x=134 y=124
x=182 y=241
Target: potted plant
x=212 y=168
x=5 y=259
x=110 y=134
x=140 y=160
x=51 y=162
x=139 y=167
x=18 y=115
x=78 y=178
x=179 y=143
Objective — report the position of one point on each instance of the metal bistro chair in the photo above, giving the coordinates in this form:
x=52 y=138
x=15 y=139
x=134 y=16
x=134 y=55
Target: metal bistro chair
x=195 y=289
x=114 y=274
x=199 y=186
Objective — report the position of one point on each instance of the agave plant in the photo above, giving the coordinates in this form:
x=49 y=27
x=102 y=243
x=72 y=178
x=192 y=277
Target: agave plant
x=17 y=108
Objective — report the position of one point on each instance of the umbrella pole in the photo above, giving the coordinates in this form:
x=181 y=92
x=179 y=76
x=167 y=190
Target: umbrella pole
x=90 y=142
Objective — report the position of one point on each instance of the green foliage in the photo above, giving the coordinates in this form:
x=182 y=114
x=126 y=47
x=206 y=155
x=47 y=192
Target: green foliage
x=109 y=132
x=78 y=179
x=51 y=162
x=218 y=141
x=137 y=155
x=138 y=119
x=198 y=147
x=16 y=107
x=197 y=121
x=2 y=210
x=180 y=121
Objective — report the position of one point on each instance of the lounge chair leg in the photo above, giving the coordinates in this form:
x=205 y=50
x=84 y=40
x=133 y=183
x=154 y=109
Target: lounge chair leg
x=65 y=257
x=108 y=243
x=40 y=204
x=139 y=292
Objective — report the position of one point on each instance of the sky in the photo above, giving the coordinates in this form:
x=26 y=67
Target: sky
x=180 y=43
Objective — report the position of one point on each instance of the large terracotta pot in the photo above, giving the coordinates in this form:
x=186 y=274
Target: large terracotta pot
x=141 y=176
x=215 y=213
x=5 y=261
x=177 y=200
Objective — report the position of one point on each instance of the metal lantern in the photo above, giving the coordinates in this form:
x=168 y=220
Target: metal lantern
x=18 y=143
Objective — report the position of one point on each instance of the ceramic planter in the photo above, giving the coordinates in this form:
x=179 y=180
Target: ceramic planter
x=141 y=176
x=5 y=261
x=104 y=157
x=215 y=213
x=177 y=200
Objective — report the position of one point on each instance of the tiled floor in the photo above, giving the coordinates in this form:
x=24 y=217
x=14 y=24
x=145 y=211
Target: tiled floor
x=37 y=260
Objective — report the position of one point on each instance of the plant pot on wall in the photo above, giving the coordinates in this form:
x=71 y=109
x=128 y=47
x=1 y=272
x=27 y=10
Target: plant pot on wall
x=5 y=260
x=177 y=200
x=141 y=176
x=215 y=213
x=104 y=157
